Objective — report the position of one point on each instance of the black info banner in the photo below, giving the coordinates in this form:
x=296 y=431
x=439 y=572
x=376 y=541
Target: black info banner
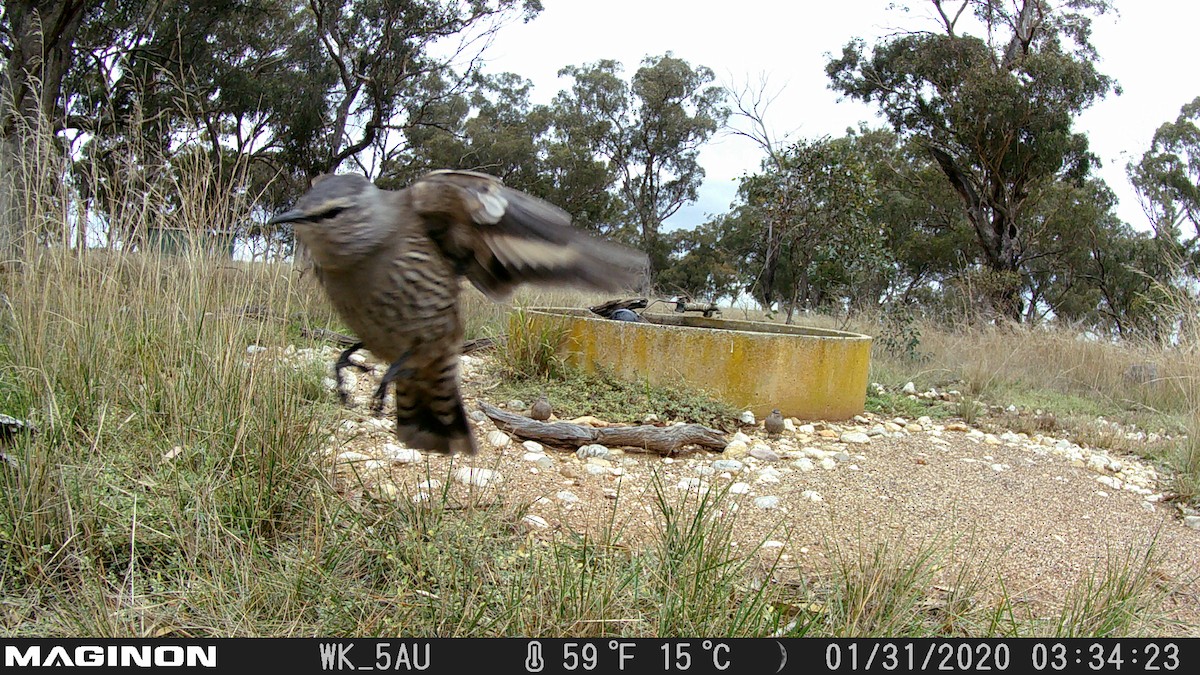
x=607 y=655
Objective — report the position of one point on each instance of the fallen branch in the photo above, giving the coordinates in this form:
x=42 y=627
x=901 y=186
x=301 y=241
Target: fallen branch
x=326 y=335
x=479 y=344
x=663 y=440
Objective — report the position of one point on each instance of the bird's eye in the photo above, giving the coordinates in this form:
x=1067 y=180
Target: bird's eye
x=326 y=215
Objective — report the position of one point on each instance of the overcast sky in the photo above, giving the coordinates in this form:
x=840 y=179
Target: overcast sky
x=1149 y=47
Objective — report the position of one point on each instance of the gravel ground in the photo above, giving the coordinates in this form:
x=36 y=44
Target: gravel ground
x=1040 y=513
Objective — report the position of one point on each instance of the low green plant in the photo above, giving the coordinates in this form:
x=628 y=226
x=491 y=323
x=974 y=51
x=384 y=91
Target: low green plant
x=602 y=394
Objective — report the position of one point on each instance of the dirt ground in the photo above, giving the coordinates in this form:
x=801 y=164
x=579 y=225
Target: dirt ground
x=1040 y=513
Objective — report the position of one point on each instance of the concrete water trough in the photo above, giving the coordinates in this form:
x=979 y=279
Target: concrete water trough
x=809 y=373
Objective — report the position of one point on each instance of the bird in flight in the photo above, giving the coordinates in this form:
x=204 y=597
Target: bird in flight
x=391 y=261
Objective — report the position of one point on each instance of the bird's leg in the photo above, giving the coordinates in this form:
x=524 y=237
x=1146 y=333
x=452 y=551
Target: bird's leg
x=396 y=370
x=344 y=361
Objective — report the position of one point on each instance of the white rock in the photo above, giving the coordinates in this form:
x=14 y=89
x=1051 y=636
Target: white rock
x=533 y=446
x=567 y=497
x=807 y=429
x=925 y=421
x=431 y=484
x=736 y=448
x=854 y=437
x=533 y=456
x=728 y=465
x=769 y=475
x=1110 y=481
x=764 y=452
x=479 y=477
x=350 y=456
x=478 y=416
x=766 y=502
x=909 y=388
x=329 y=383
x=828 y=463
x=1192 y=522
x=804 y=464
x=739 y=436
x=692 y=483
x=594 y=470
x=532 y=521
x=772 y=543
x=386 y=491
x=812 y=496
x=788 y=424
x=704 y=470
x=739 y=488
x=592 y=450
x=747 y=417
x=498 y=439
x=401 y=454
x=255 y=349
x=378 y=424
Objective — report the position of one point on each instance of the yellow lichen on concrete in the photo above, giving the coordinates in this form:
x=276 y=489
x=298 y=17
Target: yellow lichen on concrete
x=805 y=372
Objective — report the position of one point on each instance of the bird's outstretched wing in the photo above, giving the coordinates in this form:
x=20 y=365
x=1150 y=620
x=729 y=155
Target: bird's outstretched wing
x=501 y=237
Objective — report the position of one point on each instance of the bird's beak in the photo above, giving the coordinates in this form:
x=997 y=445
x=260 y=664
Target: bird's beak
x=288 y=217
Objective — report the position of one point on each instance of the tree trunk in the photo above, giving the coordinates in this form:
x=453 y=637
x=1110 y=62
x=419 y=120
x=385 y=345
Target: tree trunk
x=44 y=36
x=995 y=229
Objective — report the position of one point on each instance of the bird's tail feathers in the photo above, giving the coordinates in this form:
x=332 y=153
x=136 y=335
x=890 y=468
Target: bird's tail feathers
x=432 y=417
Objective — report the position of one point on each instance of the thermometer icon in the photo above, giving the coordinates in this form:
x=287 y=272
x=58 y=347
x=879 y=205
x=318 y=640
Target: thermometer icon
x=534 y=661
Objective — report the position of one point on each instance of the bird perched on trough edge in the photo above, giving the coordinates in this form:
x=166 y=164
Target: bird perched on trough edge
x=391 y=261
x=774 y=423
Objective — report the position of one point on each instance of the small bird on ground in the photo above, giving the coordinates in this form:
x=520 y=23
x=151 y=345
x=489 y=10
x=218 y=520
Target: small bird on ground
x=391 y=262
x=774 y=423
x=541 y=410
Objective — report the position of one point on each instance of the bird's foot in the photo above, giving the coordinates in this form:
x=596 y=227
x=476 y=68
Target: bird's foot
x=397 y=370
x=342 y=363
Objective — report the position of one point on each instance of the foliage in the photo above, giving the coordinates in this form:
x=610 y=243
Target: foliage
x=649 y=131
x=575 y=393
x=900 y=334
x=1167 y=178
x=994 y=112
x=531 y=348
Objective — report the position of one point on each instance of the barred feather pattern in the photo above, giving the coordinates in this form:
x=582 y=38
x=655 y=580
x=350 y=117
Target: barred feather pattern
x=391 y=264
